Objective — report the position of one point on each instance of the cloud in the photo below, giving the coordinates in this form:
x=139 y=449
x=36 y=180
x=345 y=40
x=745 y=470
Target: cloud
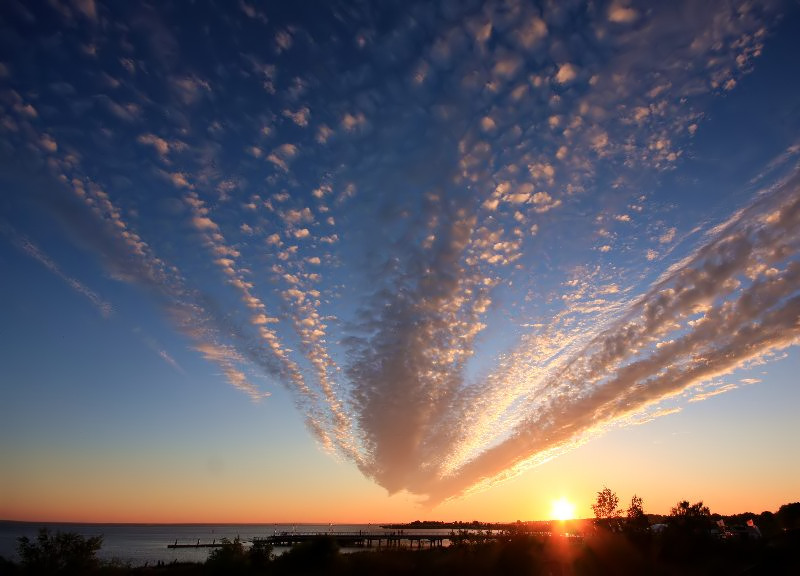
x=566 y=73
x=476 y=161
x=668 y=236
x=352 y=122
x=151 y=343
x=189 y=89
x=48 y=143
x=299 y=117
x=161 y=146
x=621 y=14
x=283 y=40
x=129 y=112
x=619 y=371
x=325 y=417
x=252 y=12
x=282 y=155
x=711 y=392
x=531 y=32
x=323 y=134
x=179 y=179
x=506 y=66
x=87 y=8
x=29 y=248
x=98 y=225
x=228 y=358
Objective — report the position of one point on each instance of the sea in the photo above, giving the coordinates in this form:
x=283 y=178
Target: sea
x=140 y=544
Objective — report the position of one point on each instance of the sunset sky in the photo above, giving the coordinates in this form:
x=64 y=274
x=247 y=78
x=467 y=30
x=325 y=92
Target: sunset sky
x=351 y=261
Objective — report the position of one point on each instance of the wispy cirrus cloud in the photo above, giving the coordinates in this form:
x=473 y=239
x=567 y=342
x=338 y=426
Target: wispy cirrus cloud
x=24 y=244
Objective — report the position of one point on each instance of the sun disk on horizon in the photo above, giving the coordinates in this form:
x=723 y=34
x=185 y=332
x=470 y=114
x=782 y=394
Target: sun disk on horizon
x=562 y=509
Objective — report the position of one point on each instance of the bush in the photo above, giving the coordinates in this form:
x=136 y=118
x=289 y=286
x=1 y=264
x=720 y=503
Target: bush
x=319 y=555
x=62 y=553
x=230 y=558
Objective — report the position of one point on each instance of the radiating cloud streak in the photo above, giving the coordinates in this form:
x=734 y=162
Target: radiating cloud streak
x=24 y=244
x=735 y=299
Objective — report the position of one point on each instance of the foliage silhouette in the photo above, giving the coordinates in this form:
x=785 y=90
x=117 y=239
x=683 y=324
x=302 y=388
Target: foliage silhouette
x=317 y=556
x=234 y=559
x=606 y=504
x=692 y=517
x=635 y=518
x=788 y=516
x=61 y=553
x=230 y=558
x=686 y=547
x=606 y=511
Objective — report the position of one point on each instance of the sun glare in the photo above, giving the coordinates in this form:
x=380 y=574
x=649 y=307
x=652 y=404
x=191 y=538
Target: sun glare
x=562 y=509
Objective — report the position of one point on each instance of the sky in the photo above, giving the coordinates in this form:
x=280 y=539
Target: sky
x=379 y=261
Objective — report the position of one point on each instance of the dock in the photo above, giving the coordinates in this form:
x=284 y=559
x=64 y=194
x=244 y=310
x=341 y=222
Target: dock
x=363 y=539
x=198 y=544
x=385 y=539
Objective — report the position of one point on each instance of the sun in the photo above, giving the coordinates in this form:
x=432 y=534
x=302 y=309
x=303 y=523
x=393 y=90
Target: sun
x=562 y=509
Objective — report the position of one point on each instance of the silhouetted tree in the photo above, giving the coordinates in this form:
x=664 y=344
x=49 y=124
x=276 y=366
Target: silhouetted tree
x=230 y=558
x=686 y=510
x=768 y=524
x=319 y=555
x=788 y=516
x=606 y=504
x=690 y=517
x=62 y=553
x=260 y=555
x=605 y=509
x=635 y=518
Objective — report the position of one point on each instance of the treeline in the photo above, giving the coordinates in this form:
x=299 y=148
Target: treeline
x=693 y=517
x=518 y=526
x=439 y=525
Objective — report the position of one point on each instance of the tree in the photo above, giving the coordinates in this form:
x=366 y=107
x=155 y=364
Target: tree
x=230 y=558
x=605 y=509
x=685 y=510
x=62 y=553
x=260 y=555
x=694 y=517
x=636 y=520
x=606 y=505
x=635 y=510
x=320 y=555
x=788 y=516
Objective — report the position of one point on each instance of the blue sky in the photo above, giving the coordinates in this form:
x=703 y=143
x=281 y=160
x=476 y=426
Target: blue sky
x=435 y=246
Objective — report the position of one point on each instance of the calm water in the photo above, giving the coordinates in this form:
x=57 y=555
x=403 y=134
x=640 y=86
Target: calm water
x=147 y=543
x=141 y=543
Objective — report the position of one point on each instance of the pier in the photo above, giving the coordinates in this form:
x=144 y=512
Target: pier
x=198 y=544
x=362 y=539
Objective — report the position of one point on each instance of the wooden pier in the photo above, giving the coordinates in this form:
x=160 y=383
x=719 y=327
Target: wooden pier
x=198 y=544
x=362 y=539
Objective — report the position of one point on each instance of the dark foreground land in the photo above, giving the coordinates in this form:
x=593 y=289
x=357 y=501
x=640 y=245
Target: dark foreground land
x=601 y=551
